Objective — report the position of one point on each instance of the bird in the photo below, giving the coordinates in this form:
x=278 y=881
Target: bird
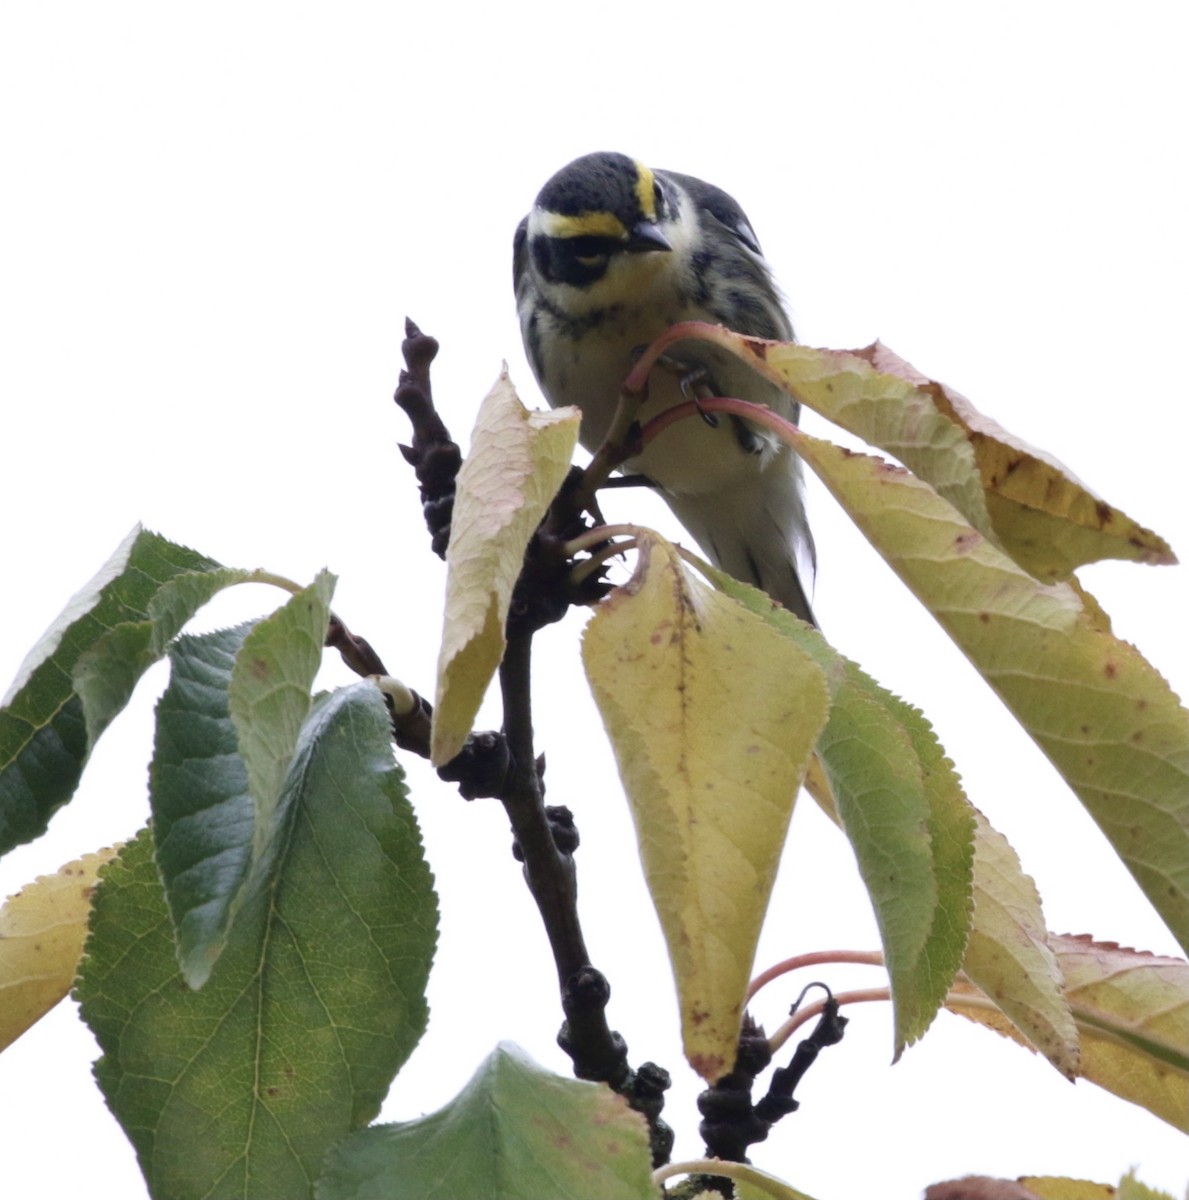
x=611 y=254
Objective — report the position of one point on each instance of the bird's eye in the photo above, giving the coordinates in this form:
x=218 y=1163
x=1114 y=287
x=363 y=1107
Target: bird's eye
x=658 y=197
x=589 y=247
x=590 y=251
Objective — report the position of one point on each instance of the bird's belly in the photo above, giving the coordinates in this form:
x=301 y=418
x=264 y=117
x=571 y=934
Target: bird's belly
x=691 y=457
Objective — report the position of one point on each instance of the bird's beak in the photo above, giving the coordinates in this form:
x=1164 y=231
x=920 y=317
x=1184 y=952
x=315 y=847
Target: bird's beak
x=646 y=235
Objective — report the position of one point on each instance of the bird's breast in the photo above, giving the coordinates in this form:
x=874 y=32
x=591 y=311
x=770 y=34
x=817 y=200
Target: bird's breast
x=587 y=367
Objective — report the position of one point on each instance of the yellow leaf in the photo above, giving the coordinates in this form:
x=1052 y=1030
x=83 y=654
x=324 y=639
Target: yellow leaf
x=518 y=460
x=1132 y=1014
x=1106 y=719
x=1034 y=507
x=1054 y=1187
x=42 y=930
x=713 y=715
x=1008 y=954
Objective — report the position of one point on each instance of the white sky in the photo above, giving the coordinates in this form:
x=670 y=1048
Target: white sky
x=214 y=221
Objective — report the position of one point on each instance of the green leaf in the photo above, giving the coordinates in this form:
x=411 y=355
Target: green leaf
x=203 y=819
x=83 y=669
x=238 y=1090
x=234 y=708
x=269 y=695
x=921 y=989
x=912 y=831
x=515 y=1131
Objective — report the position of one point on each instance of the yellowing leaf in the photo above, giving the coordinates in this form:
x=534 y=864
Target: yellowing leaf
x=712 y=714
x=883 y=776
x=1026 y=500
x=1008 y=955
x=42 y=930
x=1054 y=1187
x=1132 y=1014
x=518 y=460
x=1105 y=718
x=1048 y=521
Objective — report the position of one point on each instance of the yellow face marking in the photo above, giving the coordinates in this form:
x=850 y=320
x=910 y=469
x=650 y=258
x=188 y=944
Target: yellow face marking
x=589 y=224
x=645 y=191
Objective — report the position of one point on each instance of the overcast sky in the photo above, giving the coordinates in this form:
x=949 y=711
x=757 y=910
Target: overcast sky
x=215 y=219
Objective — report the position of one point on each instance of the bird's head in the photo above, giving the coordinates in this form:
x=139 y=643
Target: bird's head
x=603 y=225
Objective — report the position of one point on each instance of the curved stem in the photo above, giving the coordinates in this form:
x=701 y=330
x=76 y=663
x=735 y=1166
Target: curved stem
x=743 y=1172
x=871 y=958
x=810 y=1011
x=756 y=414
x=580 y=572
x=598 y=535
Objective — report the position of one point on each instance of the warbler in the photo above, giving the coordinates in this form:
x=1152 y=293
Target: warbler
x=610 y=256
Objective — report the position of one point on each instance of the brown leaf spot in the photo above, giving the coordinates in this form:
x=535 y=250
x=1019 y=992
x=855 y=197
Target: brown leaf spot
x=1110 y=670
x=1104 y=512
x=259 y=668
x=985 y=617
x=966 y=542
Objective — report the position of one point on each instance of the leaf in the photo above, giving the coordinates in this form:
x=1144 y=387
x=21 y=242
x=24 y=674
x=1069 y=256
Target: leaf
x=42 y=929
x=269 y=695
x=238 y=1090
x=1024 y=499
x=83 y=669
x=712 y=714
x=901 y=804
x=1048 y=521
x=1055 y=1187
x=517 y=462
x=230 y=719
x=1132 y=1015
x=909 y=813
x=203 y=819
x=1052 y=1187
x=515 y=1131
x=1104 y=717
x=1008 y=956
